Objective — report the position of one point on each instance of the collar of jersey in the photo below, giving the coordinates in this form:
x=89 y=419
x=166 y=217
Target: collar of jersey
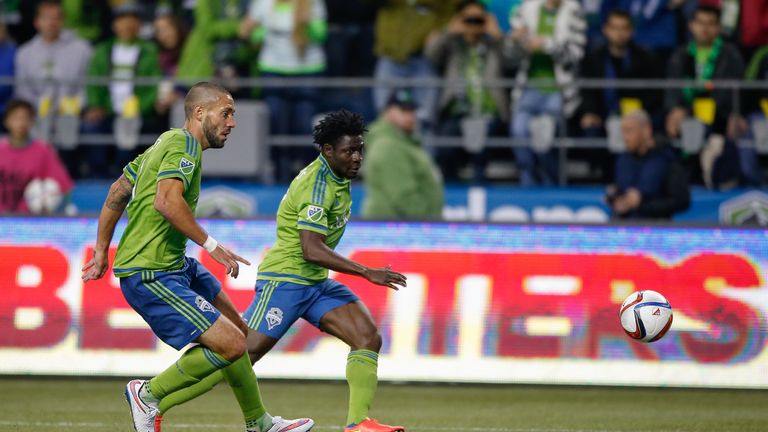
x=331 y=174
x=195 y=142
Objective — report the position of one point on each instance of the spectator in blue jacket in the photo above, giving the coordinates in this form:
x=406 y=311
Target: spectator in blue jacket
x=650 y=183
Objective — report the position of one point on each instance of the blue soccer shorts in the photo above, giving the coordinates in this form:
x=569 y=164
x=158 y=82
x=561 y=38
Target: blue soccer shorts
x=175 y=304
x=277 y=305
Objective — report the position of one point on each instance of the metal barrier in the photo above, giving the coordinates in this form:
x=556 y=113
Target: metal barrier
x=563 y=143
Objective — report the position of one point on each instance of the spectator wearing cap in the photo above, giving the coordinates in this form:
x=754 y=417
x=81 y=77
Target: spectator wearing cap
x=122 y=59
x=401 y=180
x=24 y=159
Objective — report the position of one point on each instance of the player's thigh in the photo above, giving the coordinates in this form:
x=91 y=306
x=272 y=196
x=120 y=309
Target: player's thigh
x=276 y=306
x=353 y=324
x=258 y=344
x=339 y=312
x=176 y=314
x=205 y=284
x=224 y=304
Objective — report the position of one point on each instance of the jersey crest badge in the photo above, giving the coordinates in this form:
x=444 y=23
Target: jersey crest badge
x=186 y=167
x=315 y=213
x=274 y=317
x=203 y=304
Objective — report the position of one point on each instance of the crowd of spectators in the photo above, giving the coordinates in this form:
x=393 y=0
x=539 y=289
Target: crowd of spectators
x=544 y=47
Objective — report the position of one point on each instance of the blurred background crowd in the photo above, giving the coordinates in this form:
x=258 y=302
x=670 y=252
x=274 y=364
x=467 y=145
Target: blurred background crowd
x=643 y=96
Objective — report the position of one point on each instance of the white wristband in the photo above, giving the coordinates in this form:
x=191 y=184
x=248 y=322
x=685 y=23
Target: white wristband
x=210 y=244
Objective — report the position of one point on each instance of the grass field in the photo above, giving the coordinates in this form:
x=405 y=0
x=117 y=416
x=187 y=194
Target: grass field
x=28 y=405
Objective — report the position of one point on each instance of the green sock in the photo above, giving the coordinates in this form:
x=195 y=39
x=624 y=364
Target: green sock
x=361 y=376
x=186 y=394
x=194 y=365
x=242 y=379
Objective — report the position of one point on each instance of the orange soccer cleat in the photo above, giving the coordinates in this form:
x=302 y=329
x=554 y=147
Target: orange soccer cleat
x=371 y=425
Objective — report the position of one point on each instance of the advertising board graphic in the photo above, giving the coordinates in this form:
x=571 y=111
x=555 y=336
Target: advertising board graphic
x=484 y=303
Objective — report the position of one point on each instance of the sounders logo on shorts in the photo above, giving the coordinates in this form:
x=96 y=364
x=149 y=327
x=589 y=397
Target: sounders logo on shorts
x=314 y=213
x=203 y=304
x=186 y=166
x=274 y=317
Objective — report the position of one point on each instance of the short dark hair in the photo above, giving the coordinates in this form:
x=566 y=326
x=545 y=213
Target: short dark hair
x=707 y=9
x=619 y=13
x=15 y=104
x=202 y=93
x=47 y=3
x=336 y=125
x=467 y=3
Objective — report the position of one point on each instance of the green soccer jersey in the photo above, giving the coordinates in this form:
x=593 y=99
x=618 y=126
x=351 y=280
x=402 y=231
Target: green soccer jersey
x=149 y=241
x=317 y=200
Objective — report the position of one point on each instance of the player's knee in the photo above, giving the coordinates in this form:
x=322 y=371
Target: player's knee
x=369 y=339
x=255 y=355
x=235 y=348
x=257 y=347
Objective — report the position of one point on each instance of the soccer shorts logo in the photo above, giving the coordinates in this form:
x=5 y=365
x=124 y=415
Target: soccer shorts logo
x=315 y=213
x=274 y=317
x=186 y=167
x=203 y=304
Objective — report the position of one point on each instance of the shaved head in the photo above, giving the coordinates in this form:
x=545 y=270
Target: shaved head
x=639 y=116
x=209 y=112
x=637 y=132
x=202 y=94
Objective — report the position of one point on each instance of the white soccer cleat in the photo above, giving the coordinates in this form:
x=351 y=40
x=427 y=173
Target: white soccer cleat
x=280 y=424
x=142 y=414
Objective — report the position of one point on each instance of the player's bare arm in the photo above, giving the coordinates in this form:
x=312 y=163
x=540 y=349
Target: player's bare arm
x=315 y=250
x=117 y=198
x=170 y=203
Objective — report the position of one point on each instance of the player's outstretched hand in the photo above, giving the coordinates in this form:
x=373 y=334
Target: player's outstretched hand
x=96 y=267
x=387 y=277
x=229 y=260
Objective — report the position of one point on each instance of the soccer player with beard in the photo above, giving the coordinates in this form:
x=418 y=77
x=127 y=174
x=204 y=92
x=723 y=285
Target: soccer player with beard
x=293 y=281
x=179 y=299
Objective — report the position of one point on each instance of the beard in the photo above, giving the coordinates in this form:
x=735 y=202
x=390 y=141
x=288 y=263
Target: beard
x=214 y=141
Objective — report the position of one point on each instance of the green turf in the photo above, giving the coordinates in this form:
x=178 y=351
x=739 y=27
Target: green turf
x=94 y=405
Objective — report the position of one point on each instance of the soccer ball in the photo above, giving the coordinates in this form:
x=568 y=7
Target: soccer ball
x=43 y=195
x=646 y=316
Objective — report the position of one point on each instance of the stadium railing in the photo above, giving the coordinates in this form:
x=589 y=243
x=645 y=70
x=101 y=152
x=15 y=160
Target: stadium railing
x=561 y=142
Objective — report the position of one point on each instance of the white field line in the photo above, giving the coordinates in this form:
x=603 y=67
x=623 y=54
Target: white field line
x=101 y=425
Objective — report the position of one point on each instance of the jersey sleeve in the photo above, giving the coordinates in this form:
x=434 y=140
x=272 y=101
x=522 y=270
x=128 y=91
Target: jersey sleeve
x=313 y=205
x=179 y=161
x=131 y=170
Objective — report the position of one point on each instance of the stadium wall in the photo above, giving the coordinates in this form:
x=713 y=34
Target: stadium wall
x=509 y=204
x=484 y=303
